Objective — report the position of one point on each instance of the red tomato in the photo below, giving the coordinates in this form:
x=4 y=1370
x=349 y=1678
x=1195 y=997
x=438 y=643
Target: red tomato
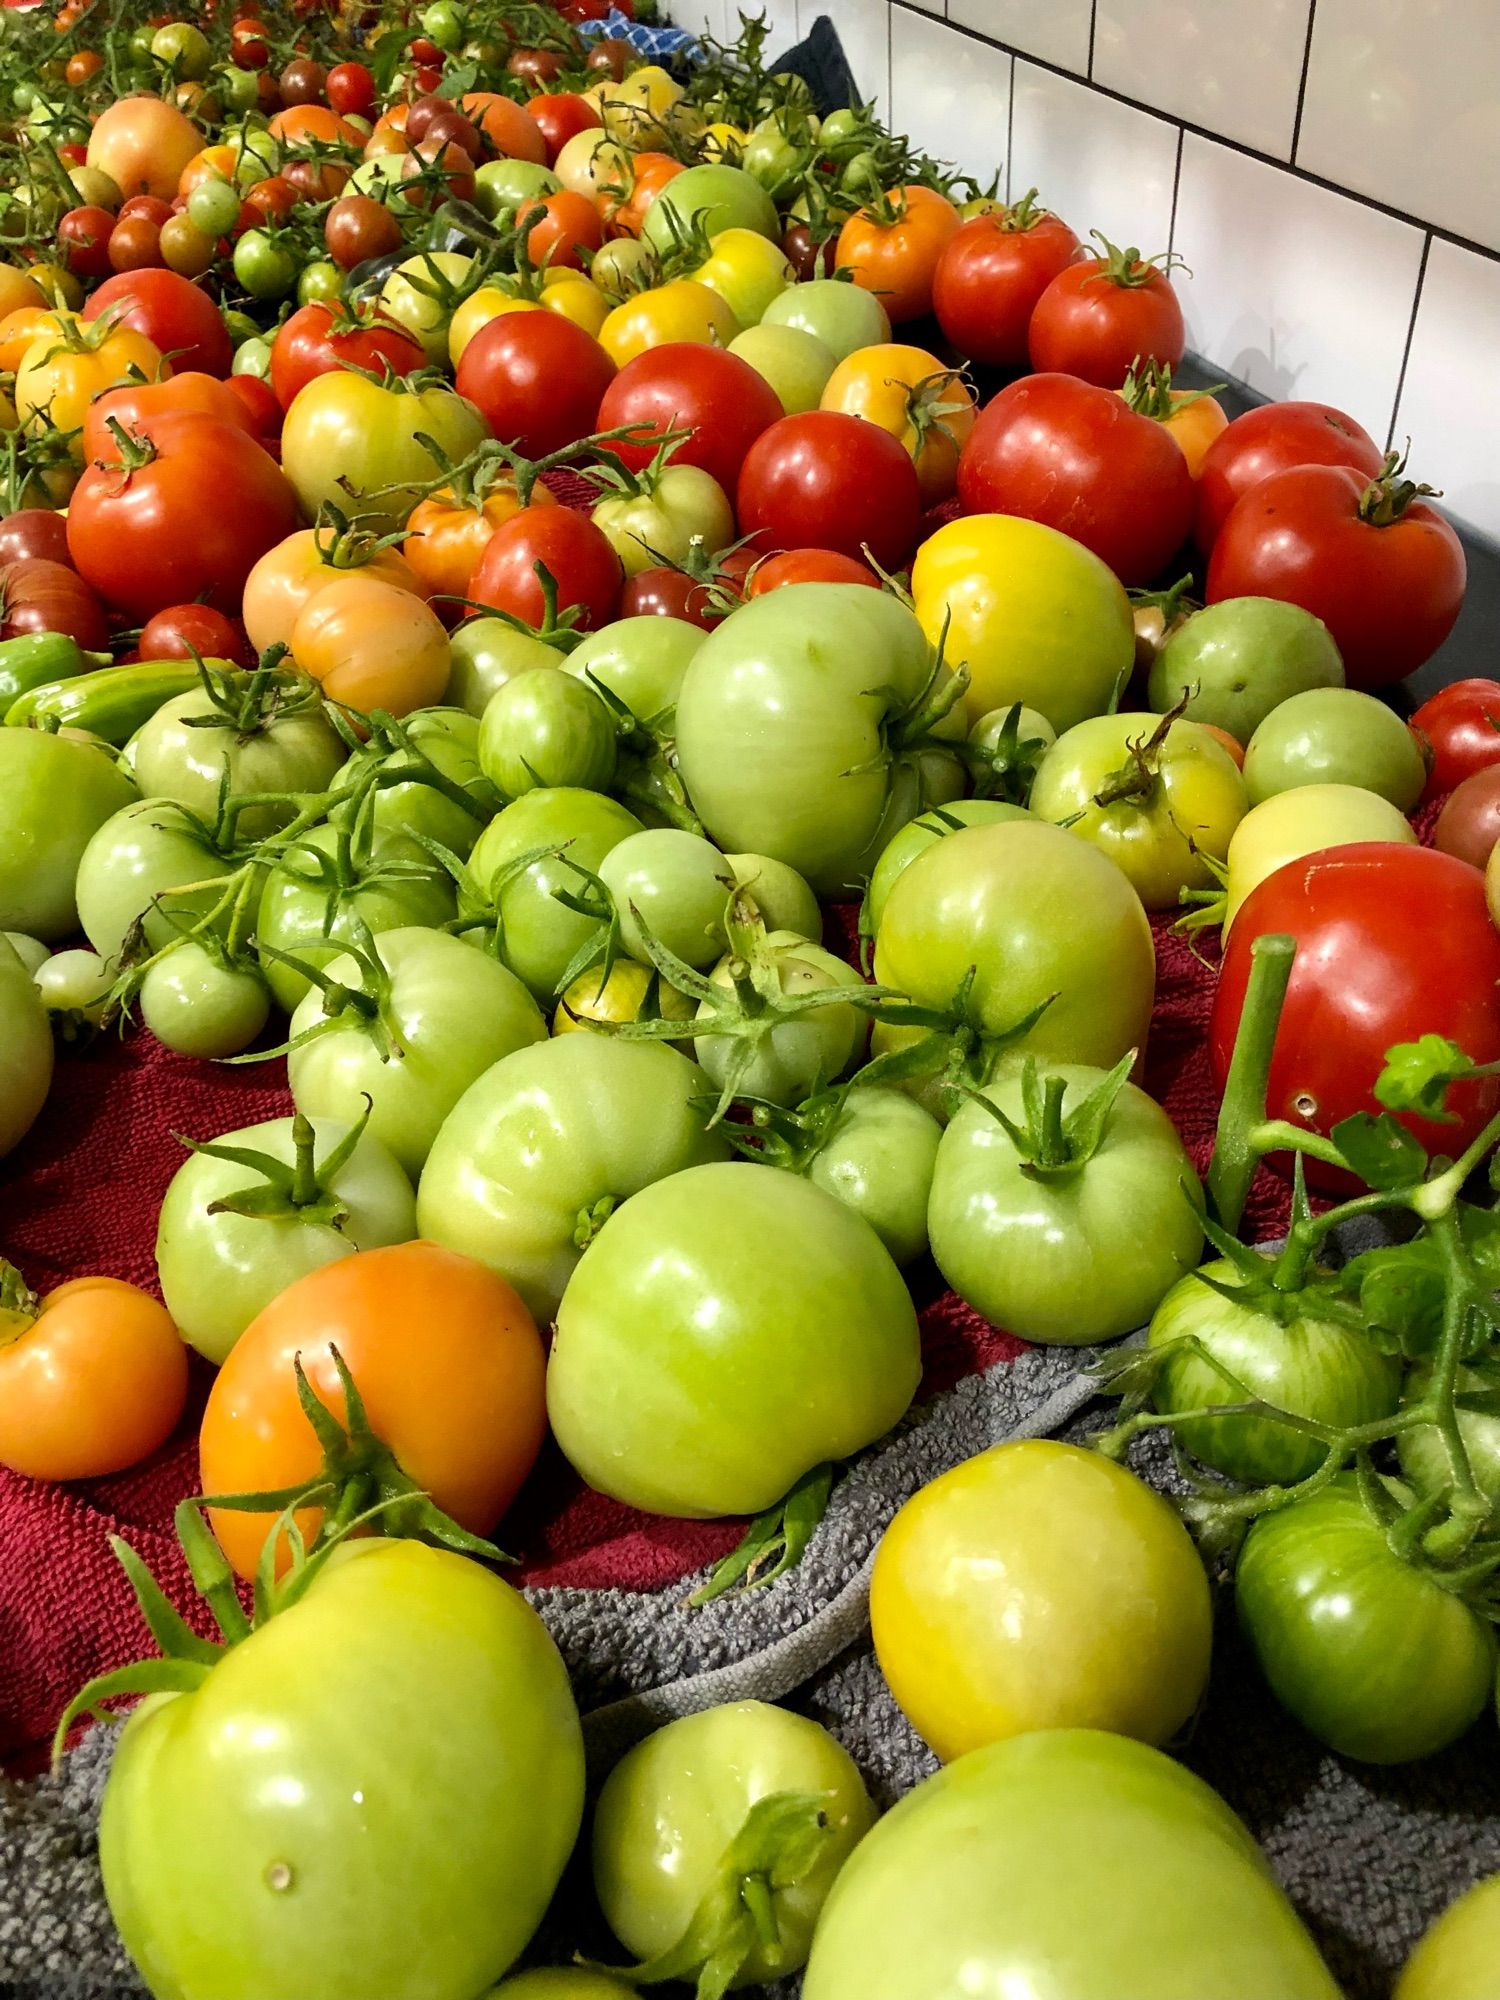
x=1469 y=824
x=1273 y=439
x=1383 y=570
x=39 y=595
x=351 y=87
x=1099 y=315
x=183 y=514
x=684 y=385
x=575 y=553
x=318 y=339
x=179 y=316
x=271 y=200
x=135 y=245
x=561 y=116
x=34 y=531
x=83 y=237
x=991 y=275
x=1055 y=450
x=536 y=378
x=258 y=400
x=141 y=405
x=151 y=206
x=1462 y=723
x=1393 y=942
x=569 y=227
x=808 y=566
x=664 y=592
x=183 y=630
x=822 y=480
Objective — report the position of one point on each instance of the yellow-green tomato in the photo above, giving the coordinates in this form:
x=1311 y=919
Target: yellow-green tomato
x=1459 y=1957
x=355 y=442
x=877 y=1157
x=902 y=849
x=796 y=364
x=1335 y=736
x=682 y=508
x=1036 y=617
x=485 y=653
x=1040 y=1586
x=844 y=317
x=747 y=270
x=1305 y=821
x=25 y=1047
x=1161 y=810
x=421 y=295
x=677 y=1817
x=796 y=1056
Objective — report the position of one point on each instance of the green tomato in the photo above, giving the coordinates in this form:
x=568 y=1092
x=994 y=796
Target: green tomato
x=788 y=736
x=877 y=1158
x=1422 y=1451
x=25 y=1048
x=844 y=317
x=902 y=849
x=196 y=1005
x=671 y=1810
x=213 y=208
x=402 y=1672
x=143 y=851
x=770 y=154
x=444 y=24
x=1456 y=1958
x=1043 y=920
x=191 y=747
x=184 y=49
x=485 y=653
x=801 y=1055
x=1064 y=1252
x=446 y=738
x=642 y=661
x=712 y=199
x=253 y=357
x=238 y=88
x=685 y=509
x=695 y=1375
x=219 y=1268
x=420 y=295
x=1162 y=816
x=257 y=153
x=32 y=953
x=355 y=442
x=502 y=186
x=676 y=885
x=445 y=1014
x=779 y=893
x=75 y=983
x=1165 y=1892
x=539 y=936
x=1335 y=736
x=1237 y=660
x=1371 y=1654
x=320 y=282
x=545 y=729
x=264 y=267
x=544 y=1145
x=55 y=794
x=795 y=363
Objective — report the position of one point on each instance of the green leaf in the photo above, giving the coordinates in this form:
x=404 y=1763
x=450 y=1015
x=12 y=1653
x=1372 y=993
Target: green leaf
x=1401 y=1289
x=1383 y=1153
x=775 y=1541
x=1417 y=1075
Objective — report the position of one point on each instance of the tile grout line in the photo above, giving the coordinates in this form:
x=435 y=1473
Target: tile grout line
x=1312 y=15
x=1010 y=130
x=1411 y=334
x=1093 y=23
x=1176 y=184
x=1302 y=174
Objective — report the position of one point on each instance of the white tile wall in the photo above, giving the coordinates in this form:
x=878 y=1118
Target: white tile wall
x=1226 y=64
x=1055 y=31
x=1100 y=164
x=1294 y=289
x=713 y=17
x=955 y=112
x=1403 y=104
x=1449 y=404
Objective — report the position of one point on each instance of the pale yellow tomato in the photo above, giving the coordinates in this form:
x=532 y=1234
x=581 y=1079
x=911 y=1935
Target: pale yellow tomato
x=1304 y=821
x=679 y=310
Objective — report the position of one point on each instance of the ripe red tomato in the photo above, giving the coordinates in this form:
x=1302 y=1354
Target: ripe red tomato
x=1462 y=723
x=561 y=116
x=179 y=316
x=1100 y=314
x=992 y=273
x=808 y=566
x=575 y=553
x=318 y=339
x=1393 y=942
x=1273 y=439
x=537 y=380
x=664 y=592
x=83 y=237
x=1383 y=570
x=1054 y=449
x=135 y=245
x=823 y=480
x=261 y=408
x=185 y=629
x=684 y=385
x=350 y=87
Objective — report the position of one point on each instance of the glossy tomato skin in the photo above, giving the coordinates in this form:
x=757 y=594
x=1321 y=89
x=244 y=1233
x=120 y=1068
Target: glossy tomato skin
x=1056 y=450
x=1389 y=593
x=40 y=595
x=559 y=115
x=825 y=480
x=719 y=399
x=181 y=631
x=579 y=557
x=807 y=566
x=317 y=339
x=1087 y=323
x=179 y=316
x=1394 y=942
x=1166 y=1893
x=1456 y=1957
x=1462 y=723
x=33 y=531
x=991 y=275
x=1469 y=824
x=25 y=1048
x=1273 y=439
x=536 y=379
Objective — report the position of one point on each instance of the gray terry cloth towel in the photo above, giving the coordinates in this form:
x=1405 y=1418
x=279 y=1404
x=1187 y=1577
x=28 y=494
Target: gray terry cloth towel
x=1370 y=1857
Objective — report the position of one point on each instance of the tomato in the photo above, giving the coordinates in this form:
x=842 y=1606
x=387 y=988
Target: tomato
x=55 y=793
x=642 y=661
x=401 y=1670
x=915 y=838
x=747 y=270
x=372 y=645
x=505 y=125
x=1295 y=1351
x=319 y=339
x=1370 y=1653
x=1383 y=570
x=436 y=748
x=673 y=1810
x=717 y=398
x=728 y=1379
x=843 y=316
x=1100 y=315
x=94 y=1379
x=350 y=88
x=503 y=187
x=176 y=316
x=445 y=1016
x=33 y=532
x=796 y=365
x=1166 y=1891
x=1190 y=417
x=1393 y=942
x=664 y=516
x=186 y=631
x=564 y=230
x=60 y=374
x=680 y=310
x=1239 y=660
x=486 y=653
x=25 y=1047
x=83 y=235
x=39 y=595
x=446 y=535
x=1457 y=1955
x=1040 y=1586
x=1423 y=1451
x=990 y=275
x=1469 y=824
x=1034 y=616
x=1306 y=821
x=576 y=555
x=1462 y=724
x=357 y=228
x=602 y=168
x=1271 y=439
x=1335 y=735
x=794 y=1057
x=711 y=199
x=198 y=1004
x=1055 y=450
x=560 y=116
x=292 y=572
x=909 y=393
x=543 y=728
x=139 y=406
x=357 y=443
x=827 y=480
x=893 y=248
x=143 y=144
x=807 y=566
x=537 y=380
x=197 y=742
x=548 y=1142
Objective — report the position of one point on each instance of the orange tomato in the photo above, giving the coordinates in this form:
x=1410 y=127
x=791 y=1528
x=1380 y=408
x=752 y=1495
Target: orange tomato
x=143 y=145
x=92 y=1379
x=87 y=63
x=214 y=163
x=26 y=324
x=292 y=573
x=138 y=404
x=568 y=228
x=300 y=123
x=446 y=535
x=62 y=371
x=372 y=645
x=447 y=1362
x=1191 y=416
x=645 y=177
x=505 y=125
x=909 y=393
x=893 y=251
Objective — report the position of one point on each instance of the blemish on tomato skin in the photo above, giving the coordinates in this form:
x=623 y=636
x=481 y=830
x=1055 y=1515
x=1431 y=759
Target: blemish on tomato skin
x=279 y=1876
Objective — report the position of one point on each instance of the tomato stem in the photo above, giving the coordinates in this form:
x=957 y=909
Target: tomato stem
x=1235 y=1156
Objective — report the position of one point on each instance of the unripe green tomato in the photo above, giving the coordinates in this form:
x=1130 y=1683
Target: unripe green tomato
x=196 y=1005
x=320 y=282
x=795 y=363
x=1335 y=736
x=264 y=267
x=484 y=654
x=252 y=357
x=500 y=186
x=213 y=207
x=184 y=49
x=75 y=982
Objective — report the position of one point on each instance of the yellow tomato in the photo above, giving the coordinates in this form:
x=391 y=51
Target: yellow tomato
x=1040 y=1586
x=290 y=575
x=62 y=372
x=747 y=270
x=1306 y=820
x=25 y=325
x=372 y=645
x=568 y=293
x=1032 y=614
x=1456 y=1959
x=590 y=159
x=58 y=286
x=724 y=142
x=908 y=392
x=680 y=310
x=575 y=295
x=19 y=292
x=477 y=310
x=615 y=1000
x=636 y=108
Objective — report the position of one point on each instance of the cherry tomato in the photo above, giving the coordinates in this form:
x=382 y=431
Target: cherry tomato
x=1273 y=439
x=825 y=480
x=184 y=630
x=83 y=236
x=357 y=228
x=566 y=230
x=576 y=555
x=135 y=245
x=1462 y=723
x=1101 y=314
x=990 y=276
x=350 y=87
